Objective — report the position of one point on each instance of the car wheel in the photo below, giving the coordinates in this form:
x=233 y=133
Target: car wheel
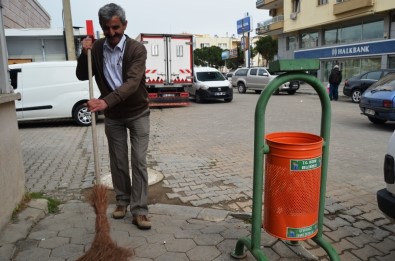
x=291 y=92
x=241 y=87
x=376 y=121
x=258 y=91
x=198 y=98
x=228 y=99
x=82 y=116
x=277 y=91
x=356 y=95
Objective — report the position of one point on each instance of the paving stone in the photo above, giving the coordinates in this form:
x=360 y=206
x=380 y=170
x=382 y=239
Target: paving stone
x=33 y=254
x=208 y=239
x=170 y=256
x=203 y=253
x=150 y=250
x=6 y=251
x=384 y=246
x=67 y=251
x=366 y=252
x=54 y=242
x=180 y=245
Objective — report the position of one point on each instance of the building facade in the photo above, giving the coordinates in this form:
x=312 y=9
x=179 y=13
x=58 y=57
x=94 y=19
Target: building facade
x=24 y=14
x=358 y=35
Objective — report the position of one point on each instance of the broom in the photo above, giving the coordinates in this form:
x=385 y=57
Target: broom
x=103 y=247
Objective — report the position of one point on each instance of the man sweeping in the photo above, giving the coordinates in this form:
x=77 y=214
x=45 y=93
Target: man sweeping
x=118 y=64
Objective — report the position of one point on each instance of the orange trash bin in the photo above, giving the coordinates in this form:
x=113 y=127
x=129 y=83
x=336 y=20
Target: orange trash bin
x=292 y=185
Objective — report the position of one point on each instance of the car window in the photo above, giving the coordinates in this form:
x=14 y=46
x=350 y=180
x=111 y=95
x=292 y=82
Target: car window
x=372 y=75
x=387 y=72
x=387 y=83
x=241 y=72
x=253 y=71
x=261 y=72
x=14 y=77
x=209 y=76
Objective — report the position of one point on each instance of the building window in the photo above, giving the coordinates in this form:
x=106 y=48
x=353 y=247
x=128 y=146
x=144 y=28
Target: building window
x=295 y=6
x=355 y=33
x=223 y=46
x=309 y=40
x=350 y=34
x=374 y=30
x=202 y=45
x=322 y=2
x=291 y=43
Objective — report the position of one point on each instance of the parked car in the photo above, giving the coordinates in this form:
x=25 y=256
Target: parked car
x=257 y=78
x=386 y=196
x=210 y=84
x=378 y=101
x=51 y=90
x=356 y=85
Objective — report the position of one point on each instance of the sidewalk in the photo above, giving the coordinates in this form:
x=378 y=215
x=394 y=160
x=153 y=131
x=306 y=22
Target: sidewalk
x=178 y=233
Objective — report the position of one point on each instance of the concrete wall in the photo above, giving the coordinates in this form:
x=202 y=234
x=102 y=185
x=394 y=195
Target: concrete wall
x=12 y=175
x=24 y=14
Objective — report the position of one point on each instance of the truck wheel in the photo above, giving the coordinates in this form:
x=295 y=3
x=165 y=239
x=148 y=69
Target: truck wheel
x=198 y=98
x=356 y=95
x=241 y=87
x=82 y=116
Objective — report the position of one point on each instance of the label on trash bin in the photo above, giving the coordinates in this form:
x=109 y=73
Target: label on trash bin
x=305 y=164
x=301 y=232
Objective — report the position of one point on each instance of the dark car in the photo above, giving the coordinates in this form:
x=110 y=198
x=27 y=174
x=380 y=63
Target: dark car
x=356 y=85
x=378 y=101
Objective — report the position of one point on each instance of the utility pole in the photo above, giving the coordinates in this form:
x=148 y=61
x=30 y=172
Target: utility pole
x=68 y=30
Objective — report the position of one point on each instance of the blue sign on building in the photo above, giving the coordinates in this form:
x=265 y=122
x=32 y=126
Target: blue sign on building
x=350 y=50
x=244 y=25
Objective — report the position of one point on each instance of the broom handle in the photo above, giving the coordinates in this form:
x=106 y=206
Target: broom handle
x=94 y=133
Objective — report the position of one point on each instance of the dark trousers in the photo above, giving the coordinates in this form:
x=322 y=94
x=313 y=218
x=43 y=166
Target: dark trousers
x=333 y=91
x=129 y=191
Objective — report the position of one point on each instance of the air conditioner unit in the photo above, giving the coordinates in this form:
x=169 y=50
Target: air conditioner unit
x=293 y=15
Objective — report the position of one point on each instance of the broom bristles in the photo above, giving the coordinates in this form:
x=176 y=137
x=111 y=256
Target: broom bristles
x=103 y=247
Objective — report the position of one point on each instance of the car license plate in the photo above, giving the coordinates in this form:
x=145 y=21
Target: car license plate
x=369 y=112
x=168 y=95
x=219 y=93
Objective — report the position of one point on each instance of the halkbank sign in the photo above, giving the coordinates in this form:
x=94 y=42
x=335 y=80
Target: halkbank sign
x=350 y=50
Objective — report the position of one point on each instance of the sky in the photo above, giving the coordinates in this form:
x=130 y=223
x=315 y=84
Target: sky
x=214 y=17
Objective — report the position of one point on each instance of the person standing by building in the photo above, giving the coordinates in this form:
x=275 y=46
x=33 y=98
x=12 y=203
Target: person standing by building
x=118 y=64
x=335 y=79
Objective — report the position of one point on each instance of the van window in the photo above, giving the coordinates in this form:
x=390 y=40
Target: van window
x=14 y=77
x=209 y=76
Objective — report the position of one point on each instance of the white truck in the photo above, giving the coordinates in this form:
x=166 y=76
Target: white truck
x=169 y=68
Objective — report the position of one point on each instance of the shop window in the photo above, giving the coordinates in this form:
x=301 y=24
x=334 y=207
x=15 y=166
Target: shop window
x=350 y=34
x=291 y=43
x=391 y=62
x=373 y=30
x=309 y=40
x=330 y=37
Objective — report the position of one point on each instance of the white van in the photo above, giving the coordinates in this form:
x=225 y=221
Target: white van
x=210 y=84
x=51 y=90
